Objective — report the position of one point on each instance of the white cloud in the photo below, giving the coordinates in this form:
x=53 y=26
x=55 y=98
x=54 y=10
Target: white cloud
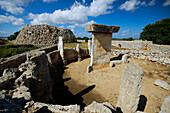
x=4 y=32
x=125 y=32
x=77 y=14
x=84 y=1
x=151 y=3
x=132 y=5
x=11 y=19
x=14 y=6
x=49 y=1
x=166 y=3
x=72 y=27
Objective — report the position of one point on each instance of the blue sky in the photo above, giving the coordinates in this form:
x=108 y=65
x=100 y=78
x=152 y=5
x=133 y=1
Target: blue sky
x=130 y=15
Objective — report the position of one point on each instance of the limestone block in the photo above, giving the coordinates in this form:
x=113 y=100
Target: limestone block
x=162 y=84
x=61 y=46
x=166 y=105
x=167 y=61
x=101 y=48
x=95 y=107
x=131 y=84
x=102 y=28
x=114 y=62
x=124 y=58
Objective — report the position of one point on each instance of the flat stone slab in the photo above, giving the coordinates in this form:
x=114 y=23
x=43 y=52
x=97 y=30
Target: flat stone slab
x=98 y=28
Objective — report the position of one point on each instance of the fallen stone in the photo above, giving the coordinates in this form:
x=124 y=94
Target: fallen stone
x=124 y=58
x=95 y=107
x=8 y=78
x=22 y=92
x=167 y=60
x=166 y=105
x=55 y=108
x=131 y=84
x=114 y=62
x=162 y=84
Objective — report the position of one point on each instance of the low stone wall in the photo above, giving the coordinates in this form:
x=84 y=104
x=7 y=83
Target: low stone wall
x=152 y=56
x=159 y=48
x=69 y=55
x=81 y=41
x=16 y=60
x=137 y=44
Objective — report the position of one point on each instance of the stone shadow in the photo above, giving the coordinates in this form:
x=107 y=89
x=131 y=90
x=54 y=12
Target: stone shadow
x=142 y=103
x=117 y=58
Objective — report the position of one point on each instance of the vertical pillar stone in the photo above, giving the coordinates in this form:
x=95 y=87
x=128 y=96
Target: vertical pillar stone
x=89 y=46
x=101 y=43
x=131 y=84
x=61 y=46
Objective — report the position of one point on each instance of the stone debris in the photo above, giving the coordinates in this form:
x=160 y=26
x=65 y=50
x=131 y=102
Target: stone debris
x=131 y=84
x=43 y=35
x=166 y=105
x=162 y=84
x=95 y=107
x=162 y=58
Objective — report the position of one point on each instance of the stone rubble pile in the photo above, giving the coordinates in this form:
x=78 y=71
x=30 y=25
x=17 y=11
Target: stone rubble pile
x=162 y=58
x=43 y=35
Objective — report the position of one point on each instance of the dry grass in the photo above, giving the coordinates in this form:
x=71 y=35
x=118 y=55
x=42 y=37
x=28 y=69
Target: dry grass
x=73 y=45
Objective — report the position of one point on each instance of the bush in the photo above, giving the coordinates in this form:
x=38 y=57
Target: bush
x=79 y=38
x=157 y=32
x=13 y=37
x=10 y=50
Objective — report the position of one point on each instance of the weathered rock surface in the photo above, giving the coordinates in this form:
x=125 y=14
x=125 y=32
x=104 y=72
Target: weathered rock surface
x=42 y=107
x=37 y=76
x=95 y=107
x=43 y=35
x=166 y=106
x=9 y=75
x=131 y=84
x=162 y=84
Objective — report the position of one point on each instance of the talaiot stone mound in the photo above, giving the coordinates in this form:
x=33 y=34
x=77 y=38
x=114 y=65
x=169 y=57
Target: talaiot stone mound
x=43 y=35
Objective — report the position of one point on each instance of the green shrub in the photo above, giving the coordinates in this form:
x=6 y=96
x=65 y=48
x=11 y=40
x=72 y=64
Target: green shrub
x=158 y=32
x=13 y=37
x=10 y=50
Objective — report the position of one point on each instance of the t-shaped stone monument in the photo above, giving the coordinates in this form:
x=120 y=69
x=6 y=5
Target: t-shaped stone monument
x=101 y=42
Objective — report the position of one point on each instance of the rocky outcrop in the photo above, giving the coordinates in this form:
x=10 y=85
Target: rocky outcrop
x=43 y=35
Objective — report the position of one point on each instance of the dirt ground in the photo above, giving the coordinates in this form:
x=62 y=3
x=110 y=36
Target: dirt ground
x=107 y=82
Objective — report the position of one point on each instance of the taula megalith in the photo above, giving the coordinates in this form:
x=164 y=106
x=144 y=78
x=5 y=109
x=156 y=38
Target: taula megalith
x=101 y=42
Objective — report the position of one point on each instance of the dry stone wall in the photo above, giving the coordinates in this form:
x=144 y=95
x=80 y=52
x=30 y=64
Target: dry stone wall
x=43 y=35
x=137 y=44
x=159 y=48
x=162 y=58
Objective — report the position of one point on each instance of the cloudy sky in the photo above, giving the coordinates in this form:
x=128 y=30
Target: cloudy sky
x=130 y=15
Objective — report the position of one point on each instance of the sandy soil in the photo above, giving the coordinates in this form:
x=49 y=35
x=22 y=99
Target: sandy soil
x=107 y=82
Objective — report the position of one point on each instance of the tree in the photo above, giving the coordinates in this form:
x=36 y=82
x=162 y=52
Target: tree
x=79 y=38
x=158 y=32
x=13 y=37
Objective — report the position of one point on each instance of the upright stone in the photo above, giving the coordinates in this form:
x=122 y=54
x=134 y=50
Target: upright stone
x=166 y=106
x=131 y=84
x=101 y=43
x=61 y=46
x=89 y=46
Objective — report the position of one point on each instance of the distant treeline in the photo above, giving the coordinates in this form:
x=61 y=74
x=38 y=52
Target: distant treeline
x=125 y=39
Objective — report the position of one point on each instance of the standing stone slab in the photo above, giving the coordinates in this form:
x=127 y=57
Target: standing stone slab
x=101 y=43
x=130 y=87
x=166 y=105
x=61 y=46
